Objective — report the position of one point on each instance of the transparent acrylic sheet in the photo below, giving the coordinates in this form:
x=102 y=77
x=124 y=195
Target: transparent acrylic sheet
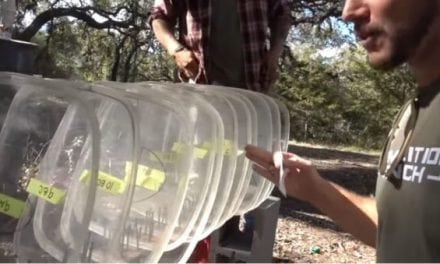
x=284 y=143
x=182 y=254
x=52 y=183
x=195 y=114
x=247 y=170
x=251 y=191
x=56 y=170
x=225 y=106
x=224 y=165
x=35 y=114
x=285 y=125
x=245 y=137
x=201 y=163
x=276 y=146
x=205 y=114
x=26 y=247
x=51 y=189
x=177 y=252
x=27 y=130
x=13 y=150
x=9 y=84
x=264 y=140
x=106 y=211
x=249 y=197
x=166 y=133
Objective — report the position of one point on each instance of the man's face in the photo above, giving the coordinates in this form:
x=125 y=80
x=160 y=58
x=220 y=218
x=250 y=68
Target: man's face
x=390 y=30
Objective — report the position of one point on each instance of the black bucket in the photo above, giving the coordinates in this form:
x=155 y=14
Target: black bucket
x=17 y=56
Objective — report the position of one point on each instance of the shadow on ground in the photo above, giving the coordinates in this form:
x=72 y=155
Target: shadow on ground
x=328 y=153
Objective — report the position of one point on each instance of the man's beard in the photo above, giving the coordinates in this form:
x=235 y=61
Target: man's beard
x=406 y=40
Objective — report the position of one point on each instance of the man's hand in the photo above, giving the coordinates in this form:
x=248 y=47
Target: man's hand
x=184 y=58
x=302 y=180
x=354 y=213
x=187 y=63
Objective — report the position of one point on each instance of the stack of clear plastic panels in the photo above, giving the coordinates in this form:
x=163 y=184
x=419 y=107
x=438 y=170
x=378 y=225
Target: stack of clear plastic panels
x=117 y=172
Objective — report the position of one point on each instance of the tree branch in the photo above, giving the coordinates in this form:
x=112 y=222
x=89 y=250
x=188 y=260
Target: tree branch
x=76 y=12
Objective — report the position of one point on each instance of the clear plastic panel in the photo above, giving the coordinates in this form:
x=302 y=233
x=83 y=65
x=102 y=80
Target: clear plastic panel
x=166 y=134
x=53 y=180
x=204 y=121
x=34 y=116
x=247 y=173
x=264 y=140
x=171 y=170
x=56 y=169
x=246 y=135
x=261 y=116
x=27 y=131
x=276 y=146
x=15 y=137
x=285 y=125
x=228 y=112
x=9 y=84
x=178 y=251
x=26 y=246
x=105 y=210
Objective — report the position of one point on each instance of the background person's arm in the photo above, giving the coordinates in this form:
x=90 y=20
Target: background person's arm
x=280 y=23
x=163 y=21
x=164 y=33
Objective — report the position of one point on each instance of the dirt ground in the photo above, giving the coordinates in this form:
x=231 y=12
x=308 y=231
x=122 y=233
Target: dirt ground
x=303 y=233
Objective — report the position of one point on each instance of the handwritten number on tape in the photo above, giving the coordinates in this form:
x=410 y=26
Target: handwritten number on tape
x=11 y=206
x=45 y=191
x=106 y=182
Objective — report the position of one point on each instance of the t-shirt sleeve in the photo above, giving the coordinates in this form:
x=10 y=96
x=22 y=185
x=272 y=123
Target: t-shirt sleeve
x=165 y=10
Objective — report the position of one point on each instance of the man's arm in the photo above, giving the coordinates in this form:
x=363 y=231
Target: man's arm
x=280 y=22
x=354 y=213
x=163 y=22
x=164 y=33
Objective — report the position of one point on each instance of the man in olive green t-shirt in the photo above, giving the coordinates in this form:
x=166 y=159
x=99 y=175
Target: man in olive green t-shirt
x=403 y=222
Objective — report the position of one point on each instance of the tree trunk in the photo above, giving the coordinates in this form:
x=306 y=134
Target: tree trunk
x=7 y=17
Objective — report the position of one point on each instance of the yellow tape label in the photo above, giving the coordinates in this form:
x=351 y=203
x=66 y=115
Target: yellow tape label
x=200 y=152
x=151 y=180
x=11 y=206
x=106 y=182
x=178 y=147
x=228 y=147
x=148 y=178
x=45 y=191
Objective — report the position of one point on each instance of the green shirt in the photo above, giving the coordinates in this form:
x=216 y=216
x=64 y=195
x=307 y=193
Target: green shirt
x=226 y=63
x=409 y=208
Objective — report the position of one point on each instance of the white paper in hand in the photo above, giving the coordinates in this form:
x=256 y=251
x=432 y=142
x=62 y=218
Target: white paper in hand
x=278 y=162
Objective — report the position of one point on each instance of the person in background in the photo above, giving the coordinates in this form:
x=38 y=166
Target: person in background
x=224 y=42
x=234 y=43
